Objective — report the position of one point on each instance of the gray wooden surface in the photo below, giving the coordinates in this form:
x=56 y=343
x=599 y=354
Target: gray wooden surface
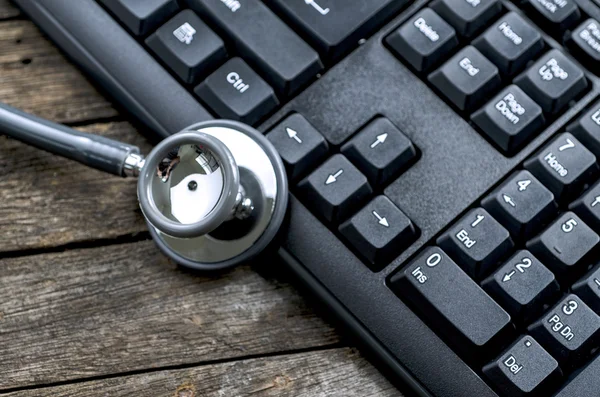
x=89 y=307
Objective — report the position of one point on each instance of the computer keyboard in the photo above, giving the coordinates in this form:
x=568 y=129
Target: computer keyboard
x=442 y=158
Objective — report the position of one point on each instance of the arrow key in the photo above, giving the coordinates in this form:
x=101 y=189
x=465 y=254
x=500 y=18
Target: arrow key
x=299 y=144
x=335 y=189
x=379 y=232
x=522 y=205
x=381 y=151
x=522 y=286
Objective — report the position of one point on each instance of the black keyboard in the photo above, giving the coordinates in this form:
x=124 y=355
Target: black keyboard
x=443 y=160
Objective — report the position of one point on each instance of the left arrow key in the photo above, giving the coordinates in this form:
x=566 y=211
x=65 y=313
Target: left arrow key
x=335 y=190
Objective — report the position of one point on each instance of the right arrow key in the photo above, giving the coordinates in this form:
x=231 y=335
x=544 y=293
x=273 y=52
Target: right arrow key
x=379 y=232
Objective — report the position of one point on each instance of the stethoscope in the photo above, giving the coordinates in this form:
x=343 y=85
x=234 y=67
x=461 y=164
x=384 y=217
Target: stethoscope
x=213 y=195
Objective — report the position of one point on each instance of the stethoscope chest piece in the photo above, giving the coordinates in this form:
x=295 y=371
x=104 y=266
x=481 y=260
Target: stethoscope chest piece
x=214 y=195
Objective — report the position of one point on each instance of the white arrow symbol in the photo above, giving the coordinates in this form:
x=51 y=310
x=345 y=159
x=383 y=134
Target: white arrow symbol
x=597 y=282
x=317 y=7
x=508 y=200
x=382 y=221
x=293 y=135
x=508 y=276
x=380 y=139
x=596 y=201
x=333 y=177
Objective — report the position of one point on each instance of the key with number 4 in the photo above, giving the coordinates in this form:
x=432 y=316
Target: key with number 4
x=522 y=204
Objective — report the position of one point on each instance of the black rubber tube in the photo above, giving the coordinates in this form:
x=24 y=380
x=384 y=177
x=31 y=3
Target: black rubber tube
x=92 y=150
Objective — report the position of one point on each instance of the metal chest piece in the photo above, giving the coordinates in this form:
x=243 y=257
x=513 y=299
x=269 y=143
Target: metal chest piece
x=214 y=195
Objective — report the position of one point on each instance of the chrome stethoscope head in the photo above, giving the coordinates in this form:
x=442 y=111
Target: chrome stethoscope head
x=214 y=195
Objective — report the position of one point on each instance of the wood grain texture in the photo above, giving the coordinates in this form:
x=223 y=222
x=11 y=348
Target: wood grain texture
x=47 y=201
x=36 y=78
x=7 y=10
x=330 y=373
x=121 y=308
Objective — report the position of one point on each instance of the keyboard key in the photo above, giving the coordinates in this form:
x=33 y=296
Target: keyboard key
x=467 y=16
x=510 y=43
x=477 y=242
x=584 y=383
x=588 y=206
x=380 y=150
x=424 y=40
x=564 y=166
x=585 y=43
x=335 y=189
x=466 y=79
x=554 y=15
x=524 y=369
x=453 y=303
x=522 y=205
x=553 y=81
x=142 y=17
x=379 y=232
x=587 y=129
x=522 y=285
x=299 y=144
x=588 y=289
x=264 y=41
x=236 y=92
x=565 y=246
x=188 y=46
x=510 y=120
x=569 y=331
x=335 y=26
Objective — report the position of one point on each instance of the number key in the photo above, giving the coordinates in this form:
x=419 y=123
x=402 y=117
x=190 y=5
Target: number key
x=522 y=285
x=477 y=242
x=522 y=204
x=569 y=331
x=565 y=245
x=564 y=166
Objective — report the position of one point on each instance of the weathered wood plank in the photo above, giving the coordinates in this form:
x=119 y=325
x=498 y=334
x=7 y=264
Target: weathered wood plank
x=35 y=77
x=93 y=312
x=47 y=201
x=340 y=372
x=7 y=10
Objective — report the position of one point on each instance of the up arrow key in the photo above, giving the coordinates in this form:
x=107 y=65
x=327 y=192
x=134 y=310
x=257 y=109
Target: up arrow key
x=380 y=139
x=293 y=135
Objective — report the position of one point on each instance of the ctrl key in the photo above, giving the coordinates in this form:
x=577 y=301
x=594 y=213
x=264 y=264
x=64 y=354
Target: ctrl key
x=524 y=369
x=454 y=303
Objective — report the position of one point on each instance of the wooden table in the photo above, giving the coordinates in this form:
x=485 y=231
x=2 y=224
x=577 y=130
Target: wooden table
x=89 y=307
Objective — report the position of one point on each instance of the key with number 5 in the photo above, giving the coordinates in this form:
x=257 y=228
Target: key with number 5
x=565 y=246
